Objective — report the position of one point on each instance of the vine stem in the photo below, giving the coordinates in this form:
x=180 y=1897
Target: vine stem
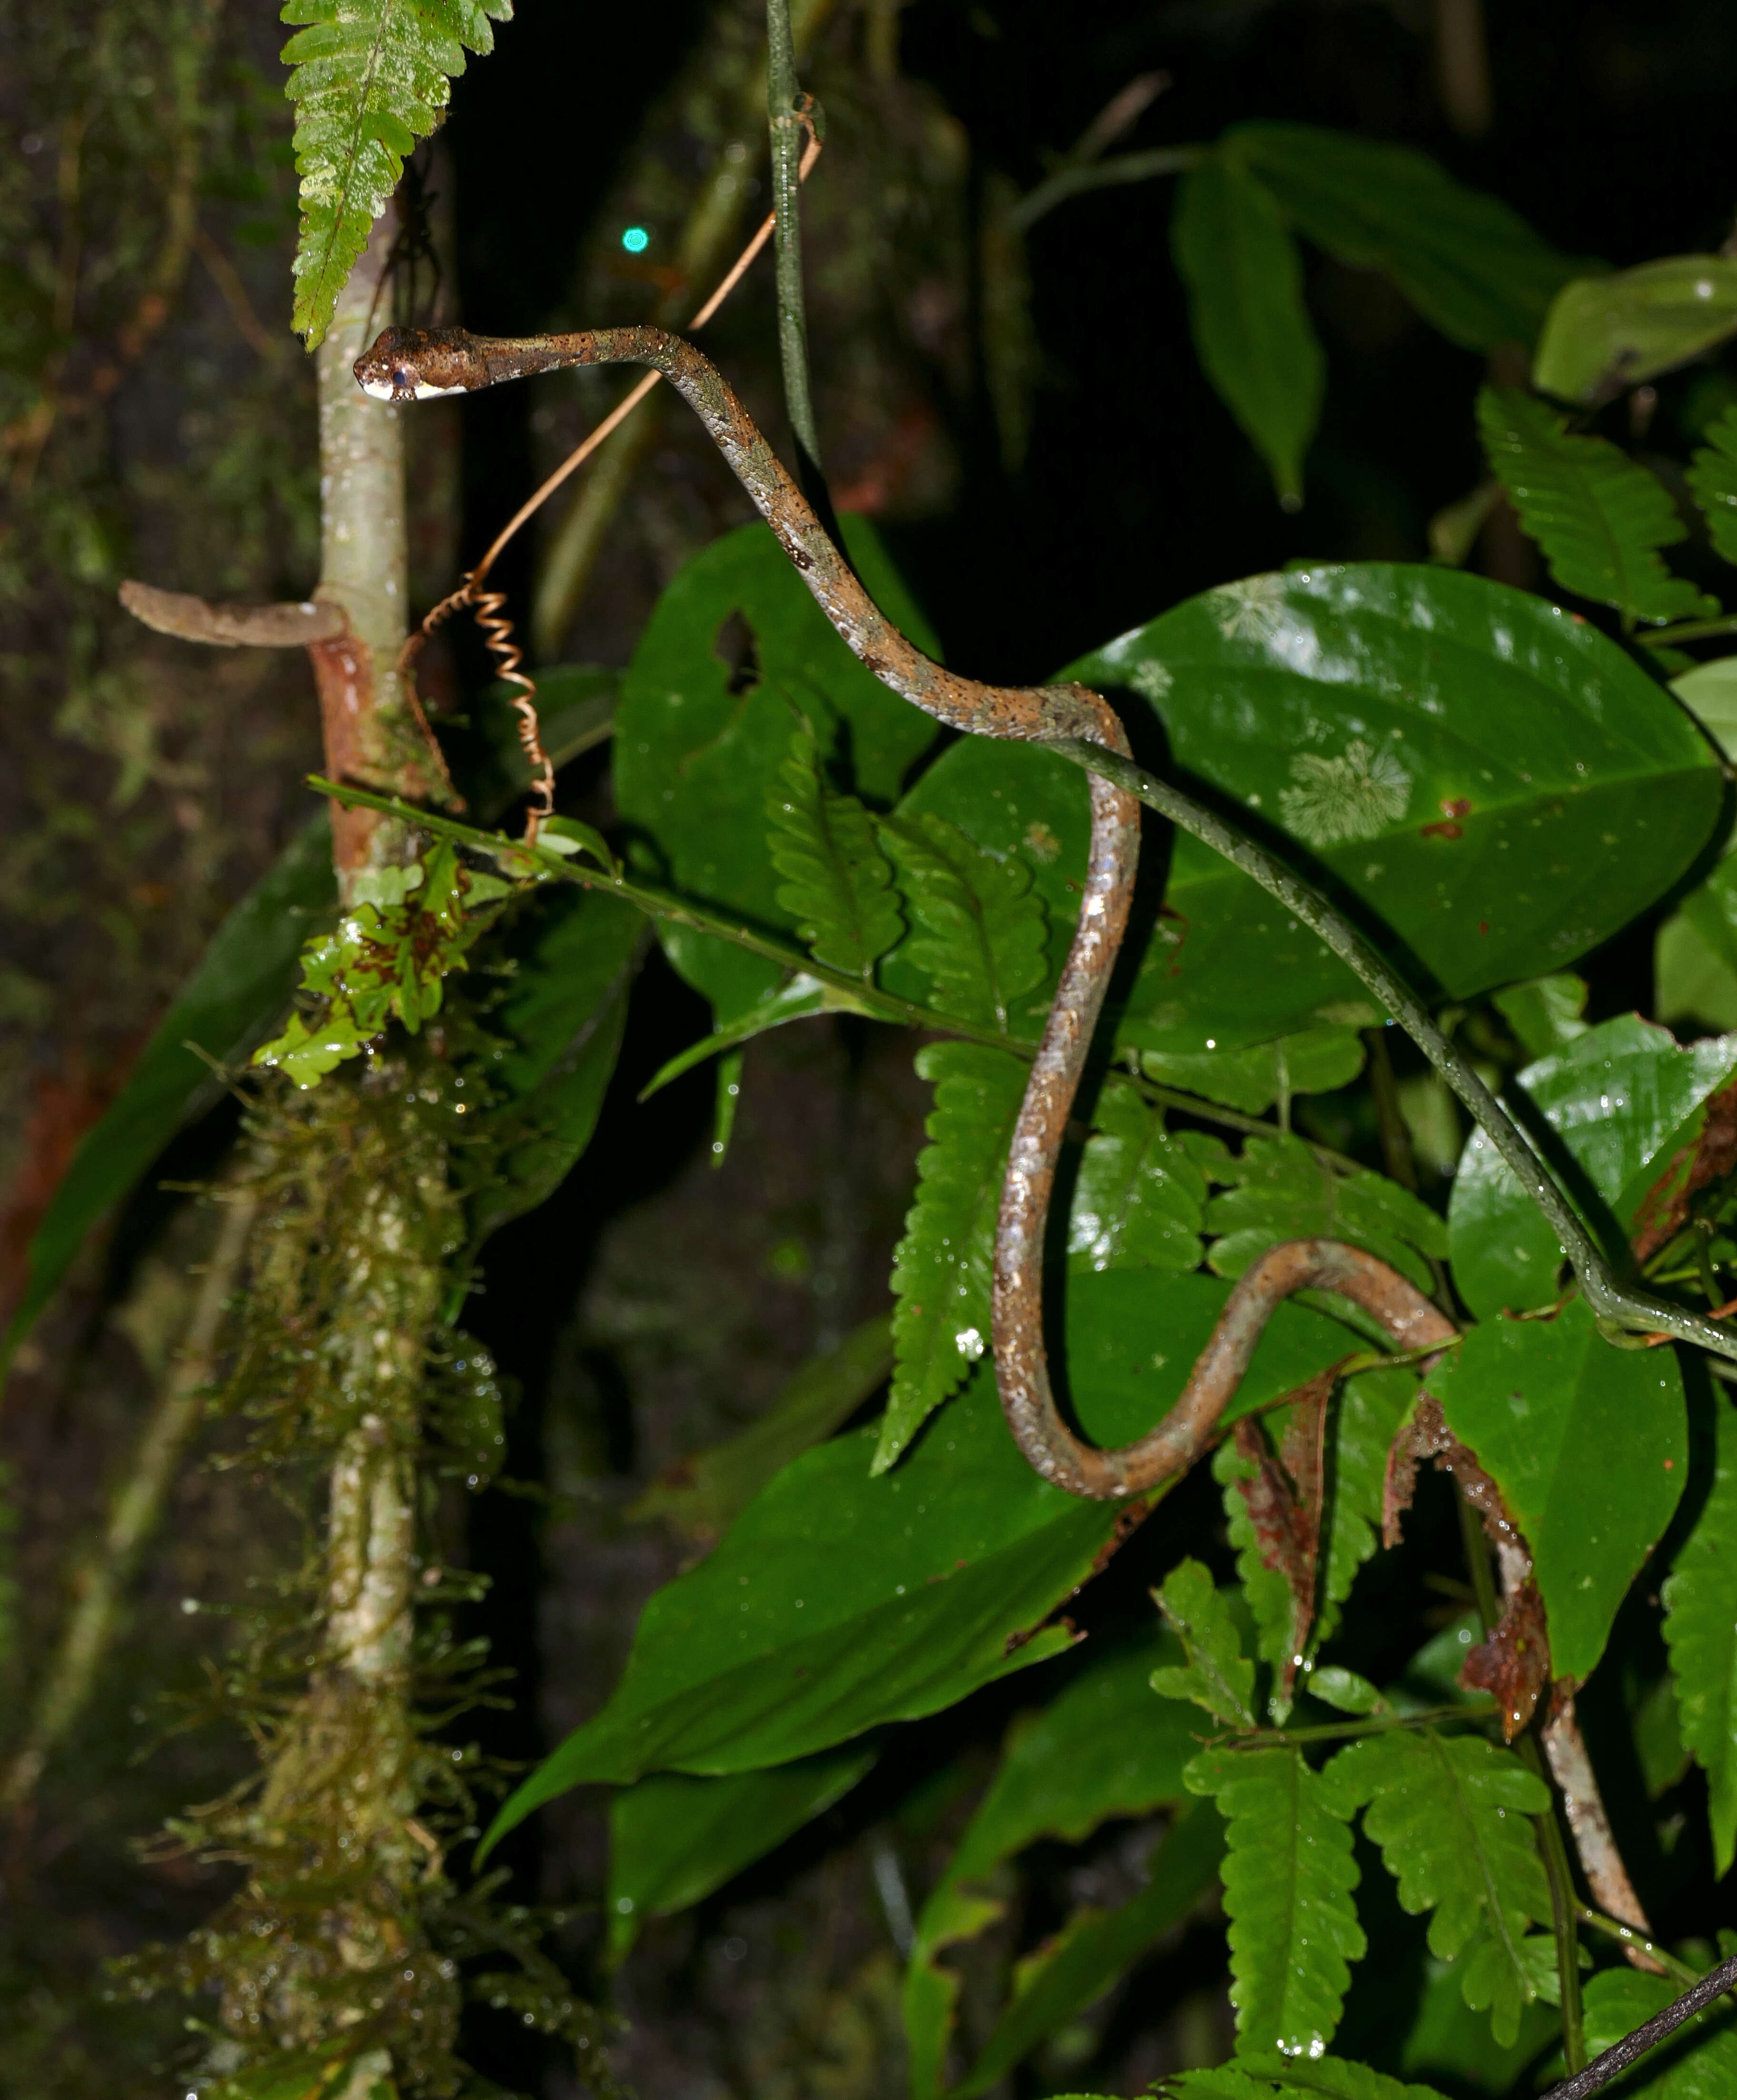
x=1613 y=1305
x=1617 y=2058
x=785 y=115
x=853 y=994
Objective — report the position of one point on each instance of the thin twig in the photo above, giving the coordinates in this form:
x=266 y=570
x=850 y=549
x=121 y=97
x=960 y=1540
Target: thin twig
x=1102 y=174
x=1633 y=1942
x=1617 y=2058
x=93 y=1622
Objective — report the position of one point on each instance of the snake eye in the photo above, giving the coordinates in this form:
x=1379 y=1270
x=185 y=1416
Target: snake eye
x=405 y=379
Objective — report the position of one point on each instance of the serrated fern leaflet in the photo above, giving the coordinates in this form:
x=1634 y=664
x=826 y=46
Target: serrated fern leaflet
x=1700 y=1627
x=1451 y=1816
x=1599 y=519
x=980 y=934
x=1287 y=1877
x=370 y=78
x=1712 y=476
x=838 y=883
x=1139 y=1195
x=1217 y=1676
x=941 y=1274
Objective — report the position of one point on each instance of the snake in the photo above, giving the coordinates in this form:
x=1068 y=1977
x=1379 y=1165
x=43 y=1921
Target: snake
x=406 y=365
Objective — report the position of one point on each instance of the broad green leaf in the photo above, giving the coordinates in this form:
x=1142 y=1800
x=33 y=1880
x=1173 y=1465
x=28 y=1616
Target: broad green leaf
x=674 y=1838
x=1096 y=1948
x=1104 y=1747
x=563 y=1017
x=1277 y=2078
x=1343 y=1690
x=1598 y=518
x=1217 y=1675
x=1699 y=2063
x=1694 y=956
x=1626 y=1105
x=1588 y=1446
x=1140 y=1193
x=1606 y=333
x=1450 y=1815
x=1700 y=1627
x=1315 y=1061
x=1468 y=264
x=703 y=1496
x=1288 y=1878
x=1546 y=1014
x=838 y=1601
x=735 y=652
x=1493 y=782
x=838 y=883
x=1712 y=476
x=1710 y=692
x=1251 y=328
x=940 y=1270
x=979 y=939
x=370 y=78
x=239 y=988
x=1280 y=1190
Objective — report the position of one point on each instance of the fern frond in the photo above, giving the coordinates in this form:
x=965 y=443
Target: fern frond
x=1281 y=1191
x=1599 y=519
x=1700 y=1630
x=370 y=78
x=941 y=1273
x=1289 y=1873
x=1451 y=1816
x=838 y=883
x=1275 y=2078
x=1218 y=1675
x=1139 y=1197
x=1712 y=476
x=981 y=935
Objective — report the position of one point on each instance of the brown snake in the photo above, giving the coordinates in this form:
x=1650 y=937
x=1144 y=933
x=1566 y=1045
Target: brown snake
x=413 y=365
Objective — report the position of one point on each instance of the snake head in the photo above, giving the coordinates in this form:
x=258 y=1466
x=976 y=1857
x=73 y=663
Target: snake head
x=414 y=364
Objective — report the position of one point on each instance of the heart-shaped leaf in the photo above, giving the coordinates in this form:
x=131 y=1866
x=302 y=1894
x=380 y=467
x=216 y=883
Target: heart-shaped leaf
x=1589 y=1445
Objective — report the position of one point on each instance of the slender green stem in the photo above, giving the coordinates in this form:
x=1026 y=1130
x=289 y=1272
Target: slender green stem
x=1690 y=630
x=1564 y=1903
x=784 y=116
x=867 y=1000
x=1371 y=1724
x=1565 y=1908
x=1616 y=1308
x=1102 y=174
x=1615 y=1929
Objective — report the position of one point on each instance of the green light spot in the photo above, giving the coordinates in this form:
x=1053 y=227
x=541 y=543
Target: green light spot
x=636 y=240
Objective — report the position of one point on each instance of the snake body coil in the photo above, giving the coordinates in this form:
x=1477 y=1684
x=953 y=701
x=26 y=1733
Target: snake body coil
x=411 y=365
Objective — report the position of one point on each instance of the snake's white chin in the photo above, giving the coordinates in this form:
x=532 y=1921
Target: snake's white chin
x=382 y=390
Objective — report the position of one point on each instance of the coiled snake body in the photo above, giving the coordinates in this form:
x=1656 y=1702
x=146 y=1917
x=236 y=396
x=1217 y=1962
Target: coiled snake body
x=411 y=365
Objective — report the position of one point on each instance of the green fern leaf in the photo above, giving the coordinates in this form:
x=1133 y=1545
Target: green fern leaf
x=370 y=78
x=1599 y=519
x=1713 y=475
x=1275 y=2078
x=1700 y=1628
x=1140 y=1194
x=1287 y=1877
x=1451 y=1816
x=838 y=885
x=1218 y=1676
x=941 y=1274
x=1282 y=1191
x=981 y=935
